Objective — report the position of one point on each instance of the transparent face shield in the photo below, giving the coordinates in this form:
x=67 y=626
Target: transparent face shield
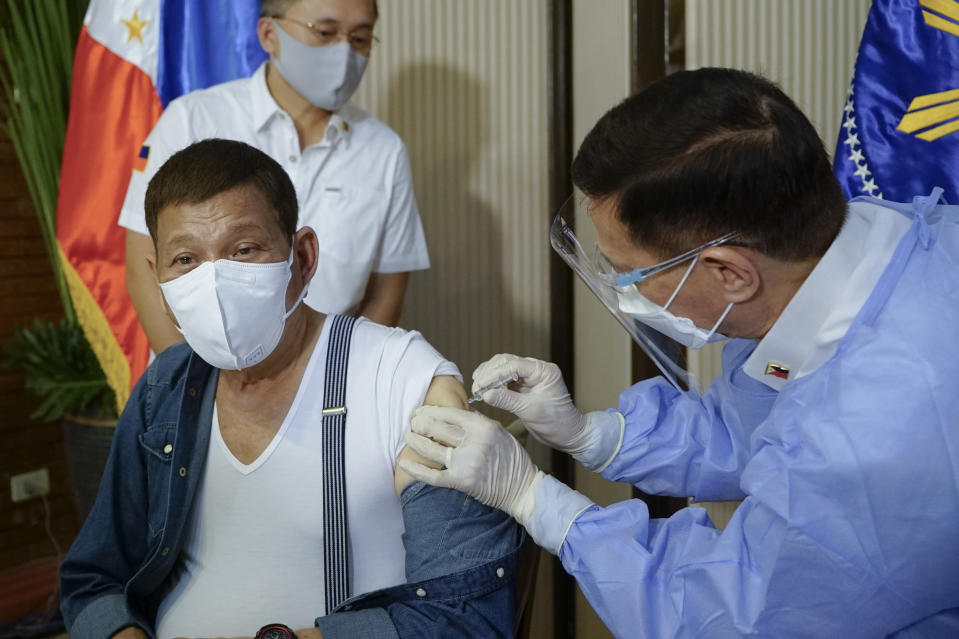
x=668 y=355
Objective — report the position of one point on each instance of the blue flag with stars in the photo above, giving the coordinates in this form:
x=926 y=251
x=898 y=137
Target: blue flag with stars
x=900 y=130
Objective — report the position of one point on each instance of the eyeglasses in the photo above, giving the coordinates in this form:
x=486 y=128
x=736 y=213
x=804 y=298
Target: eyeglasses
x=612 y=277
x=323 y=35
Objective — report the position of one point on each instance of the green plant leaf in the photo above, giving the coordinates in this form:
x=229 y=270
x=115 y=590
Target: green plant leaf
x=59 y=367
x=38 y=40
x=35 y=89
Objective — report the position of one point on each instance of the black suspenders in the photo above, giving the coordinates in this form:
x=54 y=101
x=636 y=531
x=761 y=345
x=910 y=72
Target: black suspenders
x=336 y=537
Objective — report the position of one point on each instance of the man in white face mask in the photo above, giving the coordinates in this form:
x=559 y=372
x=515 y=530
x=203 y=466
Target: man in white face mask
x=350 y=171
x=253 y=479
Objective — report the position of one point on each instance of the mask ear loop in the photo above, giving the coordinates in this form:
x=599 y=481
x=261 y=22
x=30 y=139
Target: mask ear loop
x=719 y=321
x=681 y=282
x=676 y=292
x=296 y=303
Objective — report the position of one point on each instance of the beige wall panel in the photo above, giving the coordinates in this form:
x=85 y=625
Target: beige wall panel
x=464 y=83
x=602 y=348
x=808 y=47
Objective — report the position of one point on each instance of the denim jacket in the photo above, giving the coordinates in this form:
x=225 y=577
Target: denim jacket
x=460 y=555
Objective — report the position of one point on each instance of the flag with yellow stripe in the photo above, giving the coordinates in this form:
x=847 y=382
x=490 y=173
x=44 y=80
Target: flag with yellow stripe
x=900 y=128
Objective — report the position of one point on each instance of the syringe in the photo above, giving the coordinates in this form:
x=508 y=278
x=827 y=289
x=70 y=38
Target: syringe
x=478 y=395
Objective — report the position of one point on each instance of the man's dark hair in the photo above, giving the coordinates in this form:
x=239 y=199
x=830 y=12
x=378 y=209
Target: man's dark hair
x=701 y=153
x=210 y=167
x=273 y=8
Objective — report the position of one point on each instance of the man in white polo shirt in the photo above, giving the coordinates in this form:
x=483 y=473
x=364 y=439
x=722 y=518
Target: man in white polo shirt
x=350 y=171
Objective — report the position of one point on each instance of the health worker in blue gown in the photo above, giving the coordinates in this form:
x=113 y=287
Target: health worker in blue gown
x=835 y=419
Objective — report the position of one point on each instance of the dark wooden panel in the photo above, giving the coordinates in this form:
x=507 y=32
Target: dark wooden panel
x=27 y=290
x=560 y=276
x=652 y=57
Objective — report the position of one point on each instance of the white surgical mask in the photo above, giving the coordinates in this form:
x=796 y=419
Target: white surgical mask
x=232 y=313
x=681 y=329
x=326 y=76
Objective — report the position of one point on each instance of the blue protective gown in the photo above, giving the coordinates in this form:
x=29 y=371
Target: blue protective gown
x=850 y=479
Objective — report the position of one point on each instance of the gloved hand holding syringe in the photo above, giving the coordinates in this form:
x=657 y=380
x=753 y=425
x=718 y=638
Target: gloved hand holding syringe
x=538 y=396
x=478 y=395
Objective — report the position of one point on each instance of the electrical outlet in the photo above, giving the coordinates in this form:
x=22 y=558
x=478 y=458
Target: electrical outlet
x=29 y=485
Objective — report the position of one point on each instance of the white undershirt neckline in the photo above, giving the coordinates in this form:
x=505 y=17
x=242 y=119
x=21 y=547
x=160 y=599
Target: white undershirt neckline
x=264 y=456
x=305 y=382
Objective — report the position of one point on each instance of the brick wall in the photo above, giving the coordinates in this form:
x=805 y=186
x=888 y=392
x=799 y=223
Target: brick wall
x=27 y=290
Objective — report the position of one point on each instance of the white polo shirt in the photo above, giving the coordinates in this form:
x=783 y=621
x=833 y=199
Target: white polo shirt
x=354 y=188
x=811 y=326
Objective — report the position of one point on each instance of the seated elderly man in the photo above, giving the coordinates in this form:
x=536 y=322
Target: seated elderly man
x=253 y=478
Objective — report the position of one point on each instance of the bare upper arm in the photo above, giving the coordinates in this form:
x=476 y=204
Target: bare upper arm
x=445 y=390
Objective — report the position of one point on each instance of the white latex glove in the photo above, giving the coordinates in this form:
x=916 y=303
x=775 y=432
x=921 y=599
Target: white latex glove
x=481 y=459
x=539 y=399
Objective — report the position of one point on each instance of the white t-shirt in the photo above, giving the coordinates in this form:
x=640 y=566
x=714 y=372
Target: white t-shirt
x=254 y=547
x=354 y=188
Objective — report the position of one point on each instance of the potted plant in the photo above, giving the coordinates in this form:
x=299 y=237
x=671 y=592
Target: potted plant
x=37 y=40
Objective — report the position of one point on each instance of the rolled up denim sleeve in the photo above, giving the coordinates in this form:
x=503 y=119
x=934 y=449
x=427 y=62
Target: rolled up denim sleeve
x=373 y=623
x=107 y=615
x=461 y=559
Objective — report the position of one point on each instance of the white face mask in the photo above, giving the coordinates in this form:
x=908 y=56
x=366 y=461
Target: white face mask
x=232 y=313
x=655 y=316
x=326 y=76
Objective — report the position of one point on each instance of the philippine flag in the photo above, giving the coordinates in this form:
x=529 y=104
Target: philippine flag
x=132 y=58
x=900 y=129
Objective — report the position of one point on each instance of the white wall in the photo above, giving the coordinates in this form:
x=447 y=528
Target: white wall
x=601 y=79
x=464 y=83
x=807 y=46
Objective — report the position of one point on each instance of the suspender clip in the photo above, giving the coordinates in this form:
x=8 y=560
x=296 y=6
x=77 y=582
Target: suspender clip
x=334 y=411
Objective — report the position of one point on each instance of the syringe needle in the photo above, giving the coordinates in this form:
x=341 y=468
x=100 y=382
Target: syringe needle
x=478 y=395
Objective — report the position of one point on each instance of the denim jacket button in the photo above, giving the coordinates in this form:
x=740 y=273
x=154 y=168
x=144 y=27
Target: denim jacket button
x=192 y=392
x=182 y=471
x=168 y=449
x=500 y=572
x=420 y=592
x=166 y=551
